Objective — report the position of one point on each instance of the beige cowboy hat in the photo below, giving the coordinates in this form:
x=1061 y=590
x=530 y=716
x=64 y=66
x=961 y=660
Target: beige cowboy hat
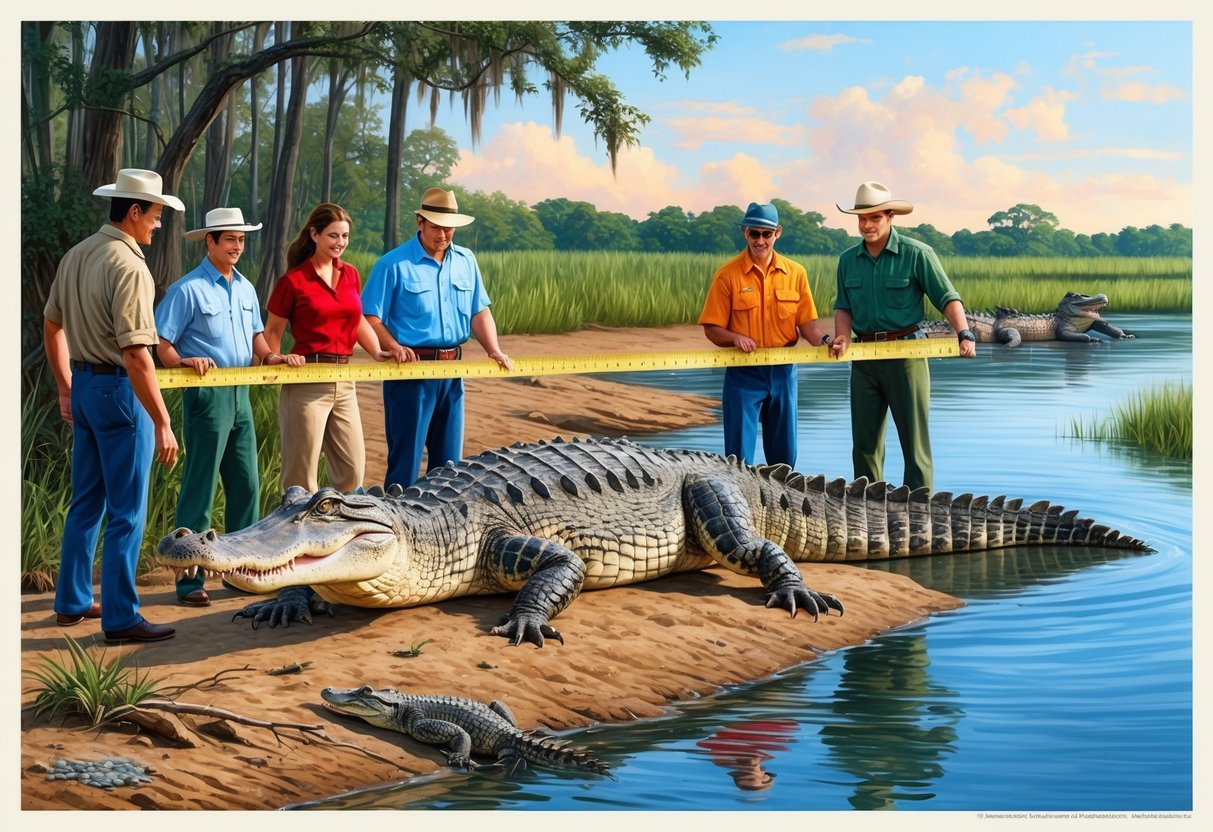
x=440 y=208
x=222 y=219
x=872 y=197
x=145 y=185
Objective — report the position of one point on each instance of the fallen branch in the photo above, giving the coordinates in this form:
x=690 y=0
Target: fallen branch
x=316 y=732
x=217 y=679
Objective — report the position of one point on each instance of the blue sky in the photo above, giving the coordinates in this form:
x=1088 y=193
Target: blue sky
x=1090 y=119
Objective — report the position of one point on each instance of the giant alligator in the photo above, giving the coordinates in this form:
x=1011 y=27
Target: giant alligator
x=1075 y=315
x=463 y=726
x=549 y=520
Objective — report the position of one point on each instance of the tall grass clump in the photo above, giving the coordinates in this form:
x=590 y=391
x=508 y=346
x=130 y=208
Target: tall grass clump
x=47 y=482
x=45 y=485
x=85 y=686
x=1158 y=419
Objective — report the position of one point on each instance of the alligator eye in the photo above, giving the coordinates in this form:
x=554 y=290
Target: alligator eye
x=325 y=506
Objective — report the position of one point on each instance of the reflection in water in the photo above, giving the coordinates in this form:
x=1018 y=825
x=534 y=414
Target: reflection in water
x=999 y=572
x=893 y=726
x=743 y=747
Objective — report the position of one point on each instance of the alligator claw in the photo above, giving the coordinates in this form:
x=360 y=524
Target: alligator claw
x=292 y=604
x=531 y=628
x=794 y=599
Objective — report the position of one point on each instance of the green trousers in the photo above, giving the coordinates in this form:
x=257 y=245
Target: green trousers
x=901 y=386
x=220 y=444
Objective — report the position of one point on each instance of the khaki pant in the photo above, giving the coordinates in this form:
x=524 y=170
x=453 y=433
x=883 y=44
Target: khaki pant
x=321 y=416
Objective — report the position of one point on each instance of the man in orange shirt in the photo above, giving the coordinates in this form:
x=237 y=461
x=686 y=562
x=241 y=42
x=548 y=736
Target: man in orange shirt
x=760 y=299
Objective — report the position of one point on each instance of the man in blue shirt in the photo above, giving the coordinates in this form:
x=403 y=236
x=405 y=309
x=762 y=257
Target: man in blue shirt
x=427 y=296
x=211 y=318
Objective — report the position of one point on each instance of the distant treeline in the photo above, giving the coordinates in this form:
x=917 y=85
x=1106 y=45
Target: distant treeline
x=1024 y=230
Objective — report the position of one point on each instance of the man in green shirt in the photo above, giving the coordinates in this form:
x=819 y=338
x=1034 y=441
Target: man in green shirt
x=881 y=284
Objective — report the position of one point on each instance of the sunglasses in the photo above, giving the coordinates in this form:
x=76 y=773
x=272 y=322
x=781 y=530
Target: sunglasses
x=754 y=233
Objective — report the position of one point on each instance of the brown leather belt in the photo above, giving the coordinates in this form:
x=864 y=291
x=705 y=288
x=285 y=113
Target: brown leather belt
x=326 y=358
x=885 y=335
x=98 y=369
x=439 y=353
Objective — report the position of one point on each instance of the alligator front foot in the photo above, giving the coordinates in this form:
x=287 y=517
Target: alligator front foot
x=795 y=598
x=295 y=603
x=526 y=626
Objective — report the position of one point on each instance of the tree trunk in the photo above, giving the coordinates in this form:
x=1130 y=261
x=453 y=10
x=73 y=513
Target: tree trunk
x=151 y=149
x=73 y=157
x=337 y=90
x=115 y=50
x=280 y=216
x=254 y=206
x=280 y=35
x=36 y=100
x=391 y=216
x=218 y=136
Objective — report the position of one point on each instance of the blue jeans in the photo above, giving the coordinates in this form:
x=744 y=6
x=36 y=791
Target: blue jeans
x=421 y=415
x=112 y=444
x=754 y=396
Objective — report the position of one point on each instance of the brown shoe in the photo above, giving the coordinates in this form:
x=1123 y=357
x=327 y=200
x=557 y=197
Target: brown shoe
x=143 y=631
x=197 y=598
x=68 y=620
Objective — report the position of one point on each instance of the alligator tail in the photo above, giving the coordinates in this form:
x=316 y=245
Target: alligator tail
x=545 y=750
x=820 y=520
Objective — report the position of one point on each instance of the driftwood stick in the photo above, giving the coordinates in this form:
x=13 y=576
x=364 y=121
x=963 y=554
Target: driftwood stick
x=218 y=678
x=316 y=732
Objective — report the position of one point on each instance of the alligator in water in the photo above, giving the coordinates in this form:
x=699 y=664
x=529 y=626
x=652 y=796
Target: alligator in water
x=549 y=520
x=1076 y=314
x=464 y=726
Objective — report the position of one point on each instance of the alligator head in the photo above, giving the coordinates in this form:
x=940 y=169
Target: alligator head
x=326 y=537
x=378 y=707
x=1077 y=305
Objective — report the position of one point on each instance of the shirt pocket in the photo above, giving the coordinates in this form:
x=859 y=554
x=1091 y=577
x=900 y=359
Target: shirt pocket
x=214 y=318
x=462 y=286
x=418 y=304
x=247 y=315
x=786 y=303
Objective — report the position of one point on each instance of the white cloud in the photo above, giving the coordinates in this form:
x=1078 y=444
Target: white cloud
x=1045 y=115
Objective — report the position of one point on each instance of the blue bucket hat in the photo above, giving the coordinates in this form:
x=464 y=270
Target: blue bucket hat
x=760 y=216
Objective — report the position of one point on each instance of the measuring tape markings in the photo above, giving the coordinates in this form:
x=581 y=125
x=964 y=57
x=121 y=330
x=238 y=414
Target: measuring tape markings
x=553 y=365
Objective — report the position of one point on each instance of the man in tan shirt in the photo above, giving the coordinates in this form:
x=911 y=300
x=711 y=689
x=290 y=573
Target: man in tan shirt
x=97 y=329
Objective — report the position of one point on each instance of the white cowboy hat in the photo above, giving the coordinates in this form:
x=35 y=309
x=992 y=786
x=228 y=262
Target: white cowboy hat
x=872 y=197
x=146 y=185
x=440 y=208
x=222 y=219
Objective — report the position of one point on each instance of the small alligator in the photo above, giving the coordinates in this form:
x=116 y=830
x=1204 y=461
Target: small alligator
x=1075 y=315
x=464 y=726
x=549 y=520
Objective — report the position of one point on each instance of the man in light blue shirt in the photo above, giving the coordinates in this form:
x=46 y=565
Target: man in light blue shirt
x=211 y=318
x=427 y=296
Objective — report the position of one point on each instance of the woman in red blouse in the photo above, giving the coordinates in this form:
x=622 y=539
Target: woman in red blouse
x=320 y=297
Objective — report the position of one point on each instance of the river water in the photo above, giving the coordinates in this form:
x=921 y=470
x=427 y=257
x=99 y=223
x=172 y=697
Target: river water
x=1063 y=685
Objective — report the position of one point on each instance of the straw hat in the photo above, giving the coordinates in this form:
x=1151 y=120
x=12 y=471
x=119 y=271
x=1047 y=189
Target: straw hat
x=222 y=219
x=872 y=197
x=440 y=208
x=146 y=185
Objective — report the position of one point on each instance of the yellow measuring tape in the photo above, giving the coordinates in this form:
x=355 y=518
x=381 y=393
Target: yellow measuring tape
x=553 y=365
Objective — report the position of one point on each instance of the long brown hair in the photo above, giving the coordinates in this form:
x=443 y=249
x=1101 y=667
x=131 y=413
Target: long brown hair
x=322 y=216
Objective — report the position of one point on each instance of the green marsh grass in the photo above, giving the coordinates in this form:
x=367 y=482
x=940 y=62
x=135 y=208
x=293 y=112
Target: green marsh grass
x=84 y=685
x=1157 y=419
